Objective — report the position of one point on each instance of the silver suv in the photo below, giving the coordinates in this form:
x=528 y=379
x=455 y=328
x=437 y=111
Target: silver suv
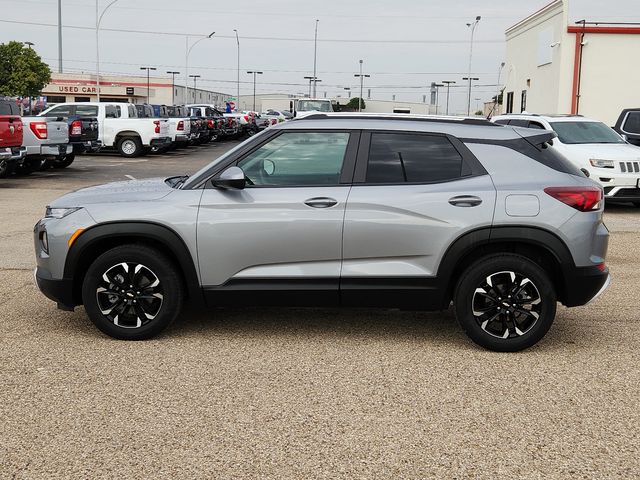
x=340 y=210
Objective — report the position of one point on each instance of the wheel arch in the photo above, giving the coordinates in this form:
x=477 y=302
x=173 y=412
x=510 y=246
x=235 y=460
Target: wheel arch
x=100 y=238
x=539 y=245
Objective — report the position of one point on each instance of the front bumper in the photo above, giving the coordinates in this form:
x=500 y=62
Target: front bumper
x=629 y=193
x=60 y=291
x=160 y=142
x=584 y=284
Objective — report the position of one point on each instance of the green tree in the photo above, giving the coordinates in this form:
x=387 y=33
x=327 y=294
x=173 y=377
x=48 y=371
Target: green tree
x=22 y=71
x=353 y=103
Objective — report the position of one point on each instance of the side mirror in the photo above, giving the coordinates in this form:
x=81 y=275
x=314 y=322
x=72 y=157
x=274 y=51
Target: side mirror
x=231 y=178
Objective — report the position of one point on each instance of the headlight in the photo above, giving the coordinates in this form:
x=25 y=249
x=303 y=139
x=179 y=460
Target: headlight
x=59 y=212
x=596 y=162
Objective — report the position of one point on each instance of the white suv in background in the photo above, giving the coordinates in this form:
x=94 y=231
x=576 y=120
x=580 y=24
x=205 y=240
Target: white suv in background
x=594 y=148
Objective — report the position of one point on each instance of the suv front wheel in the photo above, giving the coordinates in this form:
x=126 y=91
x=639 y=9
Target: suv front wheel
x=505 y=302
x=132 y=292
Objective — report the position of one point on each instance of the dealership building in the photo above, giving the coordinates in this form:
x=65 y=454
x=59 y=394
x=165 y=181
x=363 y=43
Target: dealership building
x=82 y=87
x=558 y=62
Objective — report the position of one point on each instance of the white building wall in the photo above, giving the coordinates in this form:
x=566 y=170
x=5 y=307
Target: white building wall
x=610 y=76
x=532 y=64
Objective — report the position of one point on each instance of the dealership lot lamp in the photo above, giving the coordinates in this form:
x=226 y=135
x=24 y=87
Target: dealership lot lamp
x=362 y=77
x=148 y=69
x=173 y=85
x=254 y=86
x=195 y=77
x=186 y=64
x=448 y=84
x=98 y=22
x=473 y=26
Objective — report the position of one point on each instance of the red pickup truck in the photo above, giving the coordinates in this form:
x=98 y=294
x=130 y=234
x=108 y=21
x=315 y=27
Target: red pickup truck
x=11 y=149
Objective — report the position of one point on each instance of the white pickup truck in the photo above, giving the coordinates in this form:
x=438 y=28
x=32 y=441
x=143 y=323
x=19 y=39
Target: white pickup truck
x=122 y=129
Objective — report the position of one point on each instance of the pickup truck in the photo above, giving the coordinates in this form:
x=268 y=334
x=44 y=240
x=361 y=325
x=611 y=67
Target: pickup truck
x=179 y=127
x=46 y=138
x=82 y=123
x=120 y=128
x=180 y=123
x=11 y=150
x=628 y=125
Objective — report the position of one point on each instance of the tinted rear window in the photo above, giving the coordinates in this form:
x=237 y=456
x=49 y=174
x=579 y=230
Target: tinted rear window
x=632 y=123
x=412 y=158
x=543 y=154
x=8 y=108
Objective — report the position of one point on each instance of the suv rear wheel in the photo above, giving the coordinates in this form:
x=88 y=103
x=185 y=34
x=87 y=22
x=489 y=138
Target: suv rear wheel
x=132 y=292
x=505 y=302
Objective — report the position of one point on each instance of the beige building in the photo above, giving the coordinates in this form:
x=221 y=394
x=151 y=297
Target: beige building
x=81 y=87
x=555 y=65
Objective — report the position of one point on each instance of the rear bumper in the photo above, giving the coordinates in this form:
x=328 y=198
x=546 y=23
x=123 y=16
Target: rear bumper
x=160 y=142
x=48 y=151
x=585 y=284
x=182 y=137
x=81 y=146
x=18 y=153
x=60 y=291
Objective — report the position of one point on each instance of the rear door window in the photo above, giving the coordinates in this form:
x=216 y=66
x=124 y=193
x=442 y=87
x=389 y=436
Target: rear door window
x=87 y=110
x=412 y=158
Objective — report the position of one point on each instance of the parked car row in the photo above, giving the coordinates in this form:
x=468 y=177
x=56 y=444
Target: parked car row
x=59 y=133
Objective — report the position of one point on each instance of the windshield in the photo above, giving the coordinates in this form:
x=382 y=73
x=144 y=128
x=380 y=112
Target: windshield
x=585 y=132
x=314 y=105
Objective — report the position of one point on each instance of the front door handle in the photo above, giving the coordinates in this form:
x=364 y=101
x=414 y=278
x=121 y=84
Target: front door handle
x=321 y=202
x=465 y=201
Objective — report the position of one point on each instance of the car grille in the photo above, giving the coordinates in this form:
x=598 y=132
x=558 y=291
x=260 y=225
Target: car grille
x=631 y=167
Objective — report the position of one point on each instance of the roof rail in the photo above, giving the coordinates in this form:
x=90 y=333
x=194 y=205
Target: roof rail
x=403 y=117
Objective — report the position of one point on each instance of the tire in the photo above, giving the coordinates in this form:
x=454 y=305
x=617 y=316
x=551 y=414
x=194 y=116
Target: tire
x=6 y=168
x=64 y=162
x=29 y=166
x=489 y=314
x=131 y=313
x=129 y=147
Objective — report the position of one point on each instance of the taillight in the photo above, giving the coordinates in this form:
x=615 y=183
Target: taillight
x=584 y=199
x=246 y=118
x=75 y=128
x=157 y=124
x=39 y=129
x=180 y=125
x=210 y=123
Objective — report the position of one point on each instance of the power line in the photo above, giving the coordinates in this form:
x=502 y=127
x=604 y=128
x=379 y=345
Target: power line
x=279 y=39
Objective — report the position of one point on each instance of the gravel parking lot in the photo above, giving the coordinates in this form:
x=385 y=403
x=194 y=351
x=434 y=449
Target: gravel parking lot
x=306 y=393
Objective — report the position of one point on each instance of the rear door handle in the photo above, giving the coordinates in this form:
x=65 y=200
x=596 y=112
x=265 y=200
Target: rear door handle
x=465 y=201
x=321 y=202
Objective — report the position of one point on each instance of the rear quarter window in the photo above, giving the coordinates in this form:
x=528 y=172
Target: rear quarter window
x=8 y=108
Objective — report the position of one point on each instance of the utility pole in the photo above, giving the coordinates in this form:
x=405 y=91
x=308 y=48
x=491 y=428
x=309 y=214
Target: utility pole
x=448 y=84
x=254 y=72
x=173 y=85
x=148 y=69
x=362 y=77
x=59 y=36
x=315 y=57
x=473 y=26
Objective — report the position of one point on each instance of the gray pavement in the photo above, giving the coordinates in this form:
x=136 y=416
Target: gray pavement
x=306 y=393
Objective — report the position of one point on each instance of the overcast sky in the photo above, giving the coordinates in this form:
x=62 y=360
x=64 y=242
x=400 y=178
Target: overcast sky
x=405 y=44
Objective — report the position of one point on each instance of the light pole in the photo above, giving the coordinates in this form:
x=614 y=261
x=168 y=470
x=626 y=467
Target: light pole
x=173 y=85
x=59 y=36
x=315 y=56
x=195 y=77
x=254 y=72
x=448 y=84
x=473 y=26
x=148 y=69
x=238 y=72
x=312 y=81
x=98 y=22
x=28 y=44
x=495 y=105
x=348 y=89
x=477 y=103
x=437 y=85
x=362 y=77
x=469 y=103
x=186 y=63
